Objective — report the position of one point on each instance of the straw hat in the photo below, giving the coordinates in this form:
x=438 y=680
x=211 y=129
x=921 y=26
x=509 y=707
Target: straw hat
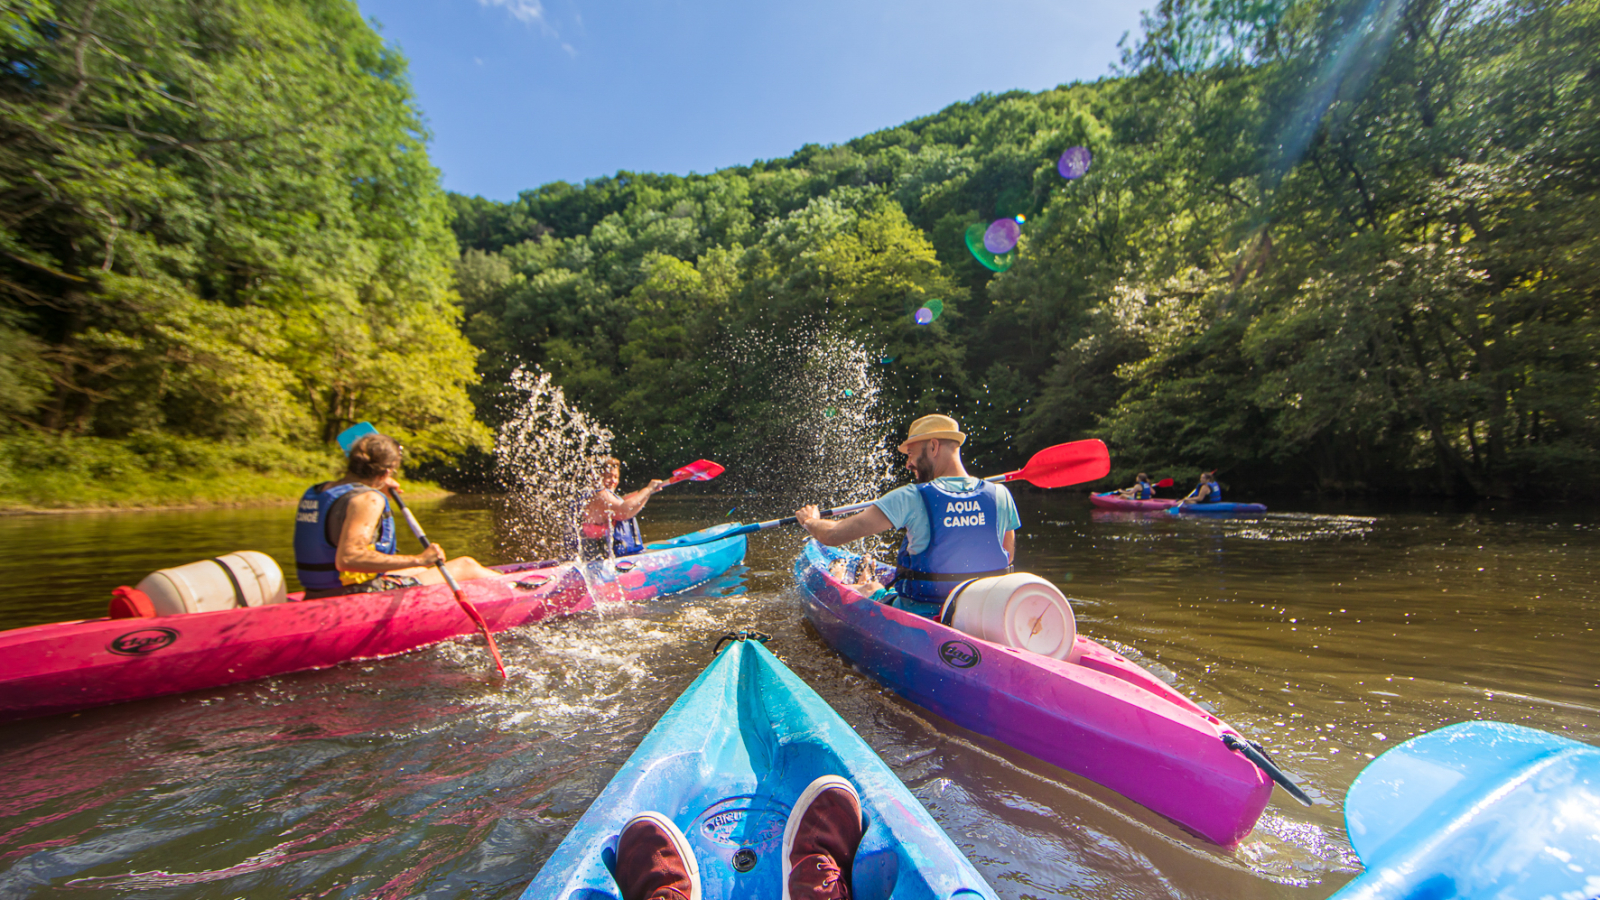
x=927 y=428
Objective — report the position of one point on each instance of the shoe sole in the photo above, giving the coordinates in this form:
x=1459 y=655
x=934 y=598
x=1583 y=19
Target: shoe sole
x=796 y=812
x=679 y=843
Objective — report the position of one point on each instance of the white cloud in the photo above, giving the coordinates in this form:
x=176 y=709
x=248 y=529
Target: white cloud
x=528 y=12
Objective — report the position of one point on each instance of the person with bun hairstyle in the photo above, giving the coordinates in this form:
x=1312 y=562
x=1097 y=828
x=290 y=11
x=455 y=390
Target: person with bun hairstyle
x=344 y=536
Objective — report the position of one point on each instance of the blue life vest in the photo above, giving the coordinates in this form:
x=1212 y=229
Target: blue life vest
x=622 y=538
x=1144 y=491
x=625 y=538
x=315 y=550
x=1215 y=495
x=965 y=543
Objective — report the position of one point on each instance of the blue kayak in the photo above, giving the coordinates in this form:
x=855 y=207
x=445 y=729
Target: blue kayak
x=1218 y=509
x=1474 y=811
x=725 y=763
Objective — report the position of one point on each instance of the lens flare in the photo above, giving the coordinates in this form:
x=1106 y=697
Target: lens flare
x=923 y=316
x=1074 y=162
x=935 y=306
x=1001 y=236
x=994 y=262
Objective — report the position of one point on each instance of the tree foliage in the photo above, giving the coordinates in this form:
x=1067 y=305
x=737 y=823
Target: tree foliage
x=218 y=219
x=1331 y=244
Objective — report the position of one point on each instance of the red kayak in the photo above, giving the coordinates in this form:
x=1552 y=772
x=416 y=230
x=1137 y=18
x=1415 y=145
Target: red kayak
x=1111 y=500
x=67 y=666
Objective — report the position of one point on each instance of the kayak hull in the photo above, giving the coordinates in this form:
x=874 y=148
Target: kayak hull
x=1477 y=810
x=1102 y=717
x=725 y=764
x=1220 y=509
x=1123 y=504
x=68 y=666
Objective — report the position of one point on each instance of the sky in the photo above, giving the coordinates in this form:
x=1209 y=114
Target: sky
x=519 y=93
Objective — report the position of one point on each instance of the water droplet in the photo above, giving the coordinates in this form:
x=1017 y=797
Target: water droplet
x=886 y=360
x=849 y=393
x=830 y=412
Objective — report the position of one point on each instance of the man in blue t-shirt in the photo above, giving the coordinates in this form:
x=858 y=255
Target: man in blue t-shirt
x=957 y=526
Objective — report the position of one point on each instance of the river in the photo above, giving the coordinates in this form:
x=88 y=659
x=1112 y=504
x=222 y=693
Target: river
x=1329 y=633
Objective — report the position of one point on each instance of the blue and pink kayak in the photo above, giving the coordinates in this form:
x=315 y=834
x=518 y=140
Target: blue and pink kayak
x=68 y=666
x=1217 y=509
x=1100 y=715
x=726 y=763
x=1477 y=811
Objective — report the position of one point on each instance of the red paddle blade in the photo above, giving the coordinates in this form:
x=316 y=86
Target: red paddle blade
x=1165 y=482
x=1065 y=464
x=699 y=470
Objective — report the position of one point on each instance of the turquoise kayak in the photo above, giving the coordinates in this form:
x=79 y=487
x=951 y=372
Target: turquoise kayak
x=1217 y=509
x=725 y=763
x=1474 y=811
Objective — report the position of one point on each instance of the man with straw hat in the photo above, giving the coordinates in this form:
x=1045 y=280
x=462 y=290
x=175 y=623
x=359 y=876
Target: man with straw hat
x=957 y=526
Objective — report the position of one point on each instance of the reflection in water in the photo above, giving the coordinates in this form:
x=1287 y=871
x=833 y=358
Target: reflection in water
x=1327 y=637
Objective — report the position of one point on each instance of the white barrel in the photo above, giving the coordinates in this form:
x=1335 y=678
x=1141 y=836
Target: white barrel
x=1018 y=610
x=244 y=578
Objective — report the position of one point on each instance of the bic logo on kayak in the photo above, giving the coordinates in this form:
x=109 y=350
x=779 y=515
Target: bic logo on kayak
x=959 y=654
x=144 y=642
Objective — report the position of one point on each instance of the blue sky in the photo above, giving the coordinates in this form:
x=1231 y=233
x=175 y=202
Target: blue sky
x=523 y=92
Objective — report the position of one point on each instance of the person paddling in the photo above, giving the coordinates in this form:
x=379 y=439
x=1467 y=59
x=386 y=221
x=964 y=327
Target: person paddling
x=1207 y=491
x=957 y=526
x=1142 y=489
x=610 y=523
x=344 y=538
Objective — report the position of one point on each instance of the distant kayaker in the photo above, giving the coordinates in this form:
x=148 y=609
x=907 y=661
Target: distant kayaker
x=1142 y=489
x=655 y=861
x=344 y=538
x=1207 y=491
x=610 y=523
x=957 y=526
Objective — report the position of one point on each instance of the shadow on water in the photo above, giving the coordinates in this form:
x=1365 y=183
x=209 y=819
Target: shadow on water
x=1327 y=635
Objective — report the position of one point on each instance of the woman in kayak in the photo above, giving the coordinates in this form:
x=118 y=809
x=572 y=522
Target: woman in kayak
x=344 y=539
x=610 y=524
x=655 y=861
x=1208 y=491
x=1141 y=490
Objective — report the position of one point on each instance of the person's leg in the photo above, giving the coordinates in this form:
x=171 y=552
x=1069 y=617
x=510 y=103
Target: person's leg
x=464 y=568
x=820 y=841
x=654 y=861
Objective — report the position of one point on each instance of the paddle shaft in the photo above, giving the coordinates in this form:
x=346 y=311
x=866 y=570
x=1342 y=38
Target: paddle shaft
x=455 y=588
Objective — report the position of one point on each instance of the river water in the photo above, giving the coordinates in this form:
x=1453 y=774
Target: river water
x=1329 y=634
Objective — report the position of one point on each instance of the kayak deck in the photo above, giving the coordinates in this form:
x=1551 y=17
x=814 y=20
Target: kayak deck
x=68 y=666
x=1102 y=717
x=725 y=763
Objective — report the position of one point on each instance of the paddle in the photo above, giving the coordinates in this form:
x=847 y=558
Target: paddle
x=1165 y=482
x=699 y=470
x=466 y=605
x=1052 y=467
x=347 y=439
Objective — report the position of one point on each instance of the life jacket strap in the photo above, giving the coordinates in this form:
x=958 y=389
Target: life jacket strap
x=901 y=573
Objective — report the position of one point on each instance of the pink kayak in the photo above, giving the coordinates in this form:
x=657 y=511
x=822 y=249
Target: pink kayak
x=1112 y=501
x=1101 y=716
x=67 y=666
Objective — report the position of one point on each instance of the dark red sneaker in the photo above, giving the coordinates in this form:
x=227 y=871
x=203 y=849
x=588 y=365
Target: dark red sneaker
x=654 y=861
x=820 y=841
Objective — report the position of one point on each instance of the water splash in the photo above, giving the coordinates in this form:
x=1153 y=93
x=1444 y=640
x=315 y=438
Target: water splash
x=545 y=457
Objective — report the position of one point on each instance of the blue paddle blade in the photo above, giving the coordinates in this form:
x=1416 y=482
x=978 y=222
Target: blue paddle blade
x=348 y=437
x=1477 y=809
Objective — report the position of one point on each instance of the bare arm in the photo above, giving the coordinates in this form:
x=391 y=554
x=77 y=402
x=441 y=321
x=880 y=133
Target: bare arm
x=355 y=552
x=607 y=505
x=1009 y=542
x=833 y=532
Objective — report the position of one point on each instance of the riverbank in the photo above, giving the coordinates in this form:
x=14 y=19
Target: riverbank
x=49 y=474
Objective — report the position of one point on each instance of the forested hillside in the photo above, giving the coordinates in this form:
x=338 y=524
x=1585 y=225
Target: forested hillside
x=221 y=240
x=1346 y=246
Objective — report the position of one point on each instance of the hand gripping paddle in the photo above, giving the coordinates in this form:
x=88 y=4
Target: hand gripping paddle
x=1052 y=467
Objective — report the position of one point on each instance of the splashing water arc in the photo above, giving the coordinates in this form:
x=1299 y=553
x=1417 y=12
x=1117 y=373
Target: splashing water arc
x=1001 y=236
x=1074 y=162
x=545 y=458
